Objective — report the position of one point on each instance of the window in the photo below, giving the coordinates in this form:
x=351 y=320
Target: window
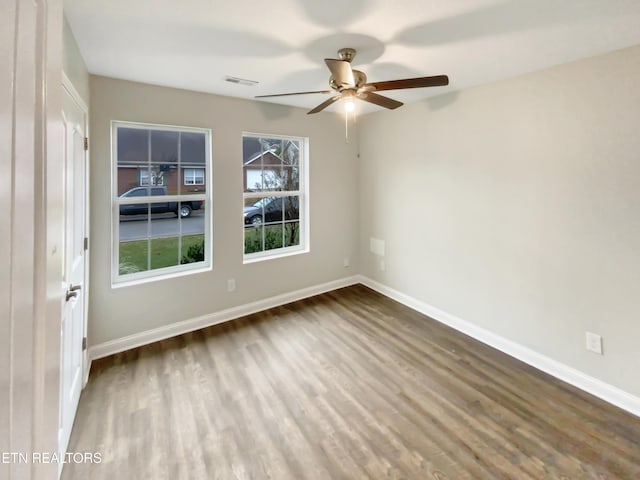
x=150 y=178
x=160 y=227
x=194 y=176
x=275 y=196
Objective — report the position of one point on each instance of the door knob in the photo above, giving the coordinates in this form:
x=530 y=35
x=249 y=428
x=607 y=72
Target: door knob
x=73 y=291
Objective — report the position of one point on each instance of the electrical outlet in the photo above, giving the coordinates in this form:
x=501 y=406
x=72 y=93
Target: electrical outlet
x=345 y=262
x=594 y=343
x=231 y=285
x=382 y=266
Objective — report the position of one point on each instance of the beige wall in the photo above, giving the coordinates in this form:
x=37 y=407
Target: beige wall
x=115 y=313
x=73 y=64
x=516 y=206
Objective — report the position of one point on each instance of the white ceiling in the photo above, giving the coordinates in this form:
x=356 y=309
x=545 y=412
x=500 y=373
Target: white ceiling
x=194 y=44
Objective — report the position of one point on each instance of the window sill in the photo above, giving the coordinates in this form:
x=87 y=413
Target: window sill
x=116 y=284
x=261 y=257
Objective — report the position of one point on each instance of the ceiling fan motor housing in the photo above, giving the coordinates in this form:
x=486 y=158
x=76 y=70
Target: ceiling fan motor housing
x=359 y=77
x=346 y=54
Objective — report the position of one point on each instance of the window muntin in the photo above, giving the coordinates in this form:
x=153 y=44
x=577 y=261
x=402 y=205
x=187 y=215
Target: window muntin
x=160 y=228
x=275 y=196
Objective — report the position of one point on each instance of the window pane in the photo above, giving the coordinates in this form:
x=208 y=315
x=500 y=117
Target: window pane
x=164 y=252
x=192 y=249
x=252 y=178
x=253 y=239
x=132 y=156
x=291 y=234
x=272 y=177
x=254 y=213
x=290 y=178
x=133 y=146
x=291 y=208
x=164 y=147
x=193 y=148
x=163 y=169
x=291 y=152
x=272 y=236
x=133 y=256
x=272 y=207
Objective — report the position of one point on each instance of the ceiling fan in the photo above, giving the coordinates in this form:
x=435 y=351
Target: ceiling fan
x=348 y=83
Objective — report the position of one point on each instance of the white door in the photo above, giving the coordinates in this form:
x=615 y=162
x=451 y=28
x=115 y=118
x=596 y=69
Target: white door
x=74 y=281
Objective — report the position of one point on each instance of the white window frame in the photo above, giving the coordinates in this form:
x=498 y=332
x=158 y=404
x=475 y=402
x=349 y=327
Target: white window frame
x=302 y=193
x=118 y=280
x=194 y=176
x=146 y=178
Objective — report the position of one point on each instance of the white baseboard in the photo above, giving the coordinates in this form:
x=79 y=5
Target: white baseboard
x=600 y=389
x=178 y=328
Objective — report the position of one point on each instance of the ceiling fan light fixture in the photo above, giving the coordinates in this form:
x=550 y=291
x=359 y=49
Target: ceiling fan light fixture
x=349 y=106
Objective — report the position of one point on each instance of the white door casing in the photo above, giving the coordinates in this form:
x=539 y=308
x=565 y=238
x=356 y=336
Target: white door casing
x=74 y=263
x=30 y=233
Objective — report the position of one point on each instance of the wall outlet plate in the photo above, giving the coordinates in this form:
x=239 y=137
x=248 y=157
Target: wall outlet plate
x=594 y=343
x=376 y=246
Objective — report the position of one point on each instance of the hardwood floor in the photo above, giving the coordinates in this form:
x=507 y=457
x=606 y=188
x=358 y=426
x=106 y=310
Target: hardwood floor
x=345 y=385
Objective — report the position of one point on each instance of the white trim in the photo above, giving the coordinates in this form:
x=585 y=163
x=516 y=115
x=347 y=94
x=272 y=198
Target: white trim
x=167 y=272
x=581 y=380
x=303 y=199
x=598 y=388
x=85 y=378
x=282 y=252
x=178 y=328
x=67 y=85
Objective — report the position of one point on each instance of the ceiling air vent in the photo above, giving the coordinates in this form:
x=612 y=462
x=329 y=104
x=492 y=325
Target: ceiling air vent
x=240 y=81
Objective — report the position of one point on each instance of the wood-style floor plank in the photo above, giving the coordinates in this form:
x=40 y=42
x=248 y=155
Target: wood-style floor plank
x=345 y=385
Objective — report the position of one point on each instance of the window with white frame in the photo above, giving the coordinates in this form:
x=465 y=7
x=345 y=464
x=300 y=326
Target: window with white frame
x=194 y=176
x=160 y=227
x=148 y=178
x=275 y=195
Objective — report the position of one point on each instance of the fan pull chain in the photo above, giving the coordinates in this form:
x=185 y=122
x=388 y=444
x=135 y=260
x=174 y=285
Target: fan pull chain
x=346 y=123
x=346 y=127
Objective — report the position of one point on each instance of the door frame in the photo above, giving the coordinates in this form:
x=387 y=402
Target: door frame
x=68 y=87
x=30 y=290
